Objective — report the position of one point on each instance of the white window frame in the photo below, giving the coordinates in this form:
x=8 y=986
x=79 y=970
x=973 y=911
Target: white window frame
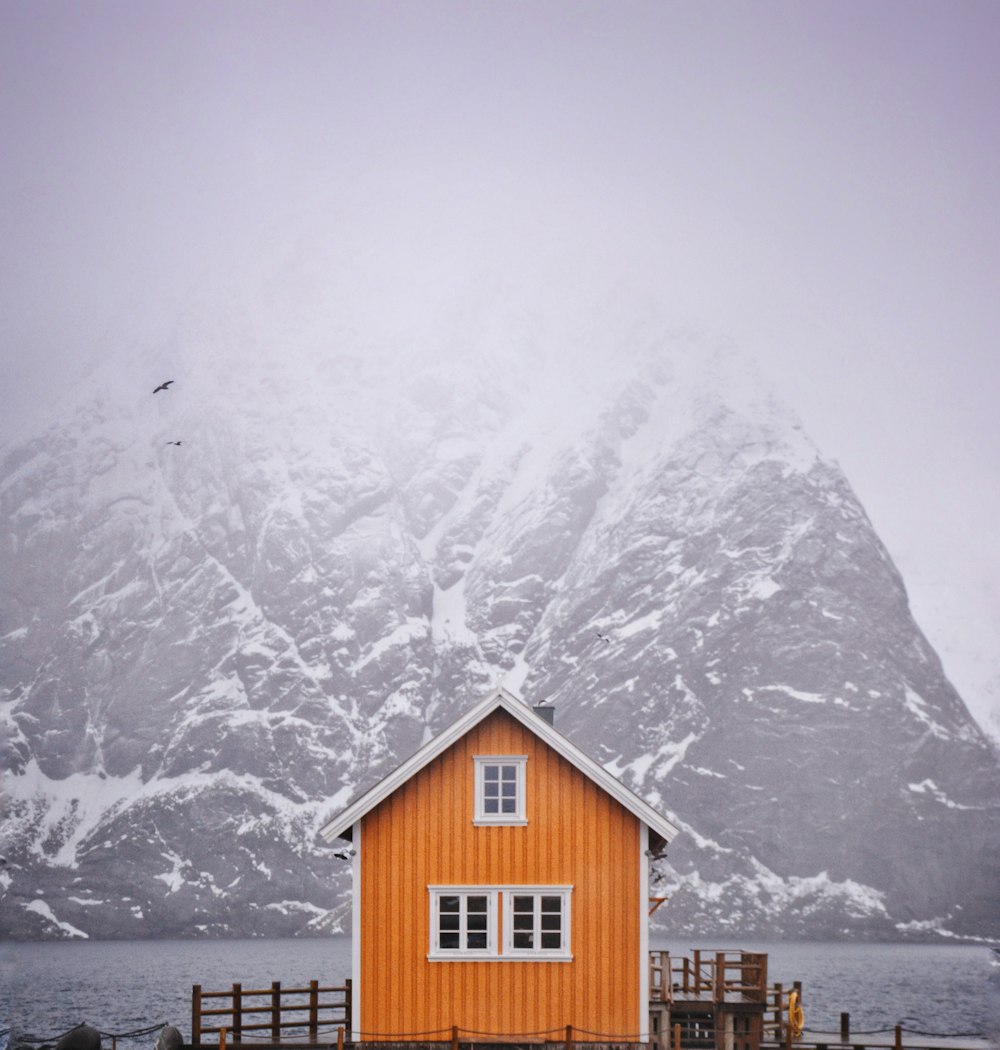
x=564 y=952
x=520 y=815
x=437 y=893
x=500 y=924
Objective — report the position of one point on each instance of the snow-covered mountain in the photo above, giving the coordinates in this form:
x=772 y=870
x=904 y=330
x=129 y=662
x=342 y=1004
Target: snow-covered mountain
x=208 y=647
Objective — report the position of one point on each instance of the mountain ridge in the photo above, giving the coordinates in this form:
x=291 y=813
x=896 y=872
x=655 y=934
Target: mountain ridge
x=222 y=646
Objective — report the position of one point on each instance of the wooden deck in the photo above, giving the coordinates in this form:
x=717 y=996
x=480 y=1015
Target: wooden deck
x=885 y=1041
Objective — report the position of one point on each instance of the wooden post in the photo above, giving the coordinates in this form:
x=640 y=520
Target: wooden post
x=340 y=1038
x=222 y=1038
x=348 y=1007
x=778 y=993
x=686 y=969
x=196 y=1014
x=313 y=1009
x=719 y=993
x=276 y=1010
x=454 y=1037
x=677 y=1037
x=569 y=1037
x=899 y=1037
x=845 y=1027
x=237 y=1012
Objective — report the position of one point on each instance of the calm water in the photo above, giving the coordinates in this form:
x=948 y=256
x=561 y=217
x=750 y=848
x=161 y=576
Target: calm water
x=120 y=986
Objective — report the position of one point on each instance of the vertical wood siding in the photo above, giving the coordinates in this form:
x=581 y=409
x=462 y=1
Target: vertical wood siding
x=576 y=835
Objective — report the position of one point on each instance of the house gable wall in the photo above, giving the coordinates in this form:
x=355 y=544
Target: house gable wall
x=576 y=835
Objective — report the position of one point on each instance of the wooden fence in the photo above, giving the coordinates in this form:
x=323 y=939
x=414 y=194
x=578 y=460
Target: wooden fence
x=269 y=1011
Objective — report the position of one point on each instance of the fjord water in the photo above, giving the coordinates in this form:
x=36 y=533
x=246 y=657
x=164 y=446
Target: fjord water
x=121 y=986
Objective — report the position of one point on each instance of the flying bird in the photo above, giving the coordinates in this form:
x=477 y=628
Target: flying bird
x=163 y=386
x=603 y=637
x=173 y=442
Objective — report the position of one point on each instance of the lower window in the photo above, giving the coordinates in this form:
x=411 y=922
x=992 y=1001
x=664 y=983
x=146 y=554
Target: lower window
x=498 y=922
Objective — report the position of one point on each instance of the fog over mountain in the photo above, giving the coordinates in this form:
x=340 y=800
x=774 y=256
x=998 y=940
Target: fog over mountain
x=207 y=648
x=819 y=181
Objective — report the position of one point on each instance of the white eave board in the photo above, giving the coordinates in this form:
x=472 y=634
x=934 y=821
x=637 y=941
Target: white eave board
x=499 y=698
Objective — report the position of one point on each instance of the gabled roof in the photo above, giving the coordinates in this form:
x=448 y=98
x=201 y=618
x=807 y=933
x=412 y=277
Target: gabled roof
x=498 y=699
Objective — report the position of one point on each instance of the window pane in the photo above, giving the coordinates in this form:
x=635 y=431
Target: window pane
x=491 y=773
x=448 y=904
x=537 y=923
x=449 y=940
x=510 y=772
x=491 y=805
x=508 y=790
x=449 y=921
x=477 y=921
x=509 y=805
x=477 y=904
x=476 y=940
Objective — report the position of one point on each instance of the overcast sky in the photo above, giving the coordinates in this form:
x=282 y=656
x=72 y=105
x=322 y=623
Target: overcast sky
x=819 y=181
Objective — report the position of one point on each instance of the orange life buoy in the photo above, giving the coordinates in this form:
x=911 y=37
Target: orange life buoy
x=795 y=1016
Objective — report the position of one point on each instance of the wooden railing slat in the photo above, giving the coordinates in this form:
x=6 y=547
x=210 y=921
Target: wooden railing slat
x=284 y=991
x=237 y=1012
x=196 y=1013
x=226 y=1011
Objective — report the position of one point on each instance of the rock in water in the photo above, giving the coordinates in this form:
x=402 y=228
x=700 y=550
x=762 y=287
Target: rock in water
x=83 y=1037
x=169 y=1038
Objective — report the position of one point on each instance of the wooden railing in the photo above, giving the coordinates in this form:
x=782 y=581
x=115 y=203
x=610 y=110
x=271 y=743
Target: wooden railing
x=716 y=977
x=273 y=1010
x=776 y=1024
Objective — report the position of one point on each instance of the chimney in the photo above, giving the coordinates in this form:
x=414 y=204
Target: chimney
x=546 y=712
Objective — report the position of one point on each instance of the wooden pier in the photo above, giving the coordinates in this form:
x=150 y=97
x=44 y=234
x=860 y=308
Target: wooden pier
x=717 y=1000
x=710 y=1000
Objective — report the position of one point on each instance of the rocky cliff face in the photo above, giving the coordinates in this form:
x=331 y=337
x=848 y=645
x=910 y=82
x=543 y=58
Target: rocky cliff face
x=208 y=648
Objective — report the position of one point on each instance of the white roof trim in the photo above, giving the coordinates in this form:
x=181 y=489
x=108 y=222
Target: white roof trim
x=498 y=698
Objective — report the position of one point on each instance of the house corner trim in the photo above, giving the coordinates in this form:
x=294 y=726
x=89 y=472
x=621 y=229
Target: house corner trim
x=643 y=933
x=356 y=1028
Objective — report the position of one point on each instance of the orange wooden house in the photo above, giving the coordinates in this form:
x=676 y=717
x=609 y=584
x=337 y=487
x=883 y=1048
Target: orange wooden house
x=500 y=886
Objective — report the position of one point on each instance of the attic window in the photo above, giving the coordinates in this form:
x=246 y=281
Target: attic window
x=499 y=787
